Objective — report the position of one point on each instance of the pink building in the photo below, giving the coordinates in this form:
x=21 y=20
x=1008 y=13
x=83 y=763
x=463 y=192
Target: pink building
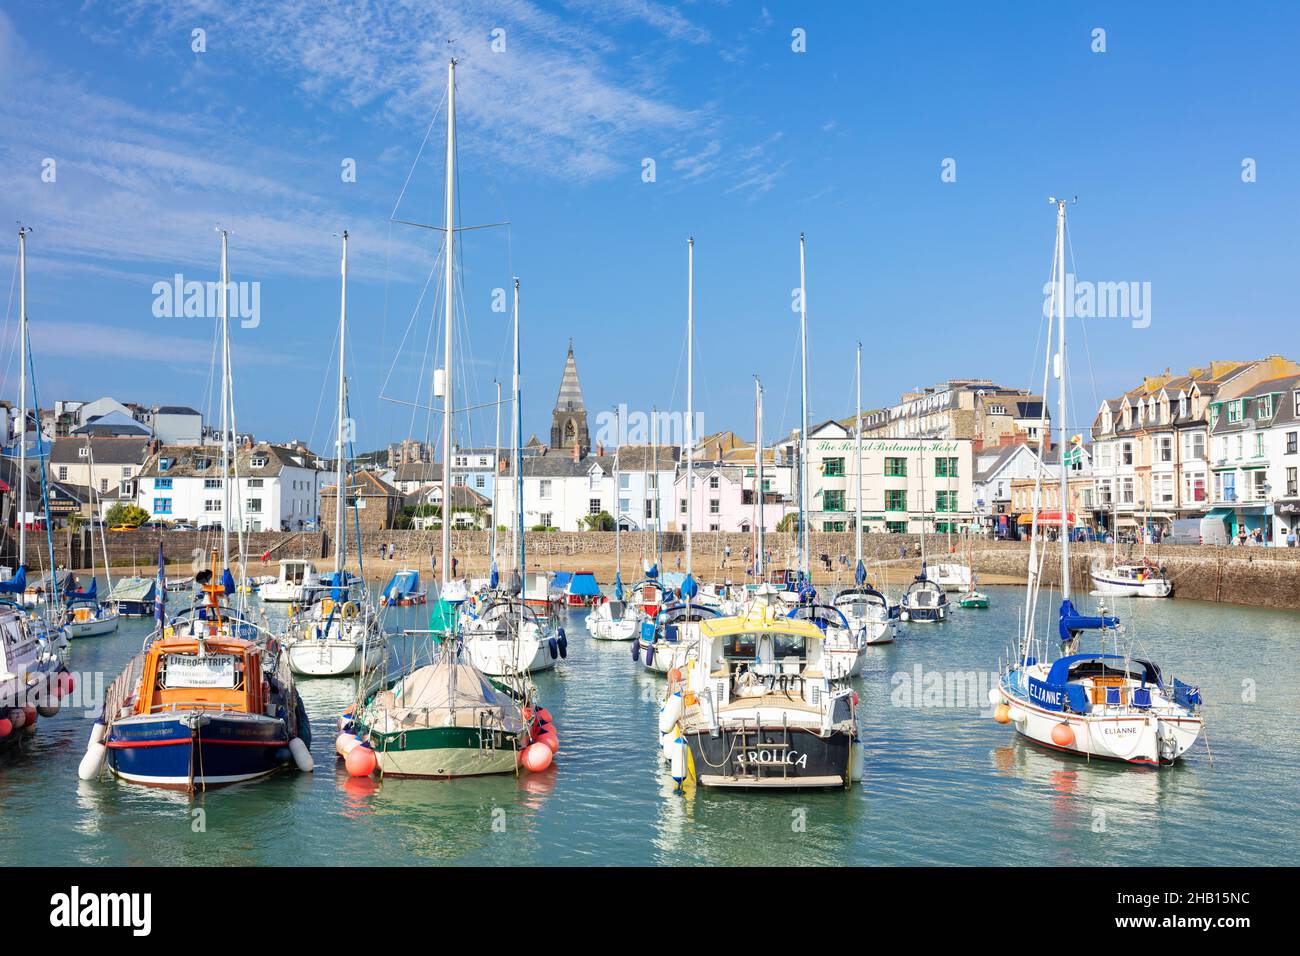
x=724 y=500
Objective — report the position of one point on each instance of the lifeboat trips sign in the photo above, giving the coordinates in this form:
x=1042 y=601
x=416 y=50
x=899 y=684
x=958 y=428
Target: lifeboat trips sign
x=1047 y=696
x=215 y=671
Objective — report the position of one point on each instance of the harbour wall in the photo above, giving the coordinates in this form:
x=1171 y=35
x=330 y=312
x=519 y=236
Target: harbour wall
x=1265 y=577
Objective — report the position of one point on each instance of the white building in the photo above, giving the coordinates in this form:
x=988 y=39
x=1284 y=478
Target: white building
x=644 y=500
x=561 y=490
x=278 y=487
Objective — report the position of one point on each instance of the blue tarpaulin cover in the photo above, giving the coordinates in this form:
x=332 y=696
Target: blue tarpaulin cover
x=401 y=584
x=583 y=584
x=15 y=585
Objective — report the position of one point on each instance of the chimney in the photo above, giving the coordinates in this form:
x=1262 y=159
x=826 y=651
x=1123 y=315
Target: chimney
x=600 y=449
x=501 y=466
x=577 y=453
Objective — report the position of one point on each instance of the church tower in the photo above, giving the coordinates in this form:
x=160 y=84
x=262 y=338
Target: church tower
x=569 y=420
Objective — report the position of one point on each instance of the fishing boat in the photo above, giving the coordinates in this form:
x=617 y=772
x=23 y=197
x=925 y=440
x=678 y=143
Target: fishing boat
x=134 y=596
x=200 y=707
x=297 y=583
x=1096 y=703
x=754 y=707
x=403 y=589
x=924 y=601
x=33 y=666
x=1141 y=579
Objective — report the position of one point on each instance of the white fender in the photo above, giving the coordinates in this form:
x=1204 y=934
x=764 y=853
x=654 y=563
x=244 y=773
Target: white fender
x=301 y=755
x=97 y=732
x=93 y=761
x=344 y=744
x=857 y=760
x=668 y=714
x=994 y=696
x=1018 y=715
x=677 y=759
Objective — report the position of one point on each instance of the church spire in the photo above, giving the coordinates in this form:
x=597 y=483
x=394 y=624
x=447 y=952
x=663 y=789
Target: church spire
x=569 y=420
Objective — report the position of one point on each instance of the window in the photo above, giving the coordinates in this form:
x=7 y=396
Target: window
x=945 y=501
x=1104 y=492
x=1165 y=448
x=997 y=409
x=624 y=481
x=833 y=526
x=681 y=506
x=1126 y=492
x=103 y=485
x=63 y=472
x=1290 y=443
x=212 y=504
x=83 y=452
x=833 y=500
x=126 y=472
x=1126 y=453
x=211 y=482
x=458 y=480
x=895 y=500
x=1163 y=489
x=480 y=481
x=715 y=506
x=1290 y=482
x=162 y=506
x=650 y=508
x=164 y=464
x=833 y=467
x=162 y=484
x=1259 y=444
x=945 y=468
x=257 y=462
x=1105 y=455
x=593 y=506
x=713 y=482
x=1295 y=396
x=896 y=527
x=895 y=467
x=257 y=483
x=1193 y=488
x=253 y=506
x=1264 y=406
x=544 y=519
x=1193 y=445
x=1234 y=410
x=544 y=488
x=1182 y=406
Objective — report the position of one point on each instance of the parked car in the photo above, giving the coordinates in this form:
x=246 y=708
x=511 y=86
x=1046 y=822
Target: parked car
x=183 y=526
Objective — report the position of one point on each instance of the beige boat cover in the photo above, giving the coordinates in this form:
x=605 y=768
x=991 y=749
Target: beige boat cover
x=447 y=694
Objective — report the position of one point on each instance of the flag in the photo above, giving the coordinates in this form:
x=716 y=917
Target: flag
x=860 y=574
x=494 y=578
x=228 y=582
x=618 y=586
x=160 y=590
x=689 y=587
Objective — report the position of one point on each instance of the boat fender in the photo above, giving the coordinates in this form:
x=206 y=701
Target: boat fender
x=552 y=645
x=1063 y=735
x=670 y=712
x=994 y=696
x=636 y=650
x=563 y=643
x=1017 y=715
x=649 y=655
x=677 y=760
x=344 y=744
x=6 y=727
x=537 y=757
x=17 y=718
x=361 y=762
x=93 y=760
x=301 y=755
x=857 y=760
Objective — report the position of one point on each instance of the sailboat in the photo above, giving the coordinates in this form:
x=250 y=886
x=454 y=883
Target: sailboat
x=665 y=640
x=1141 y=578
x=446 y=718
x=337 y=635
x=972 y=597
x=612 y=618
x=864 y=607
x=83 y=613
x=925 y=600
x=1096 y=703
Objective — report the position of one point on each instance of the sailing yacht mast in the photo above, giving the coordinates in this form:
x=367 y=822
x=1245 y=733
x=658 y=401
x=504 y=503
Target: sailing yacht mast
x=225 y=403
x=449 y=322
x=857 y=521
x=22 y=395
x=759 y=566
x=803 y=428
x=1059 y=371
x=518 y=450
x=341 y=496
x=496 y=458
x=690 y=397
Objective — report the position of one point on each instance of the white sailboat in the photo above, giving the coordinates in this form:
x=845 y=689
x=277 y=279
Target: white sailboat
x=924 y=601
x=84 y=615
x=337 y=635
x=1103 y=703
x=612 y=618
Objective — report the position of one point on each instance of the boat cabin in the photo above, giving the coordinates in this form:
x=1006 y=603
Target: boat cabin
x=297 y=572
x=222 y=674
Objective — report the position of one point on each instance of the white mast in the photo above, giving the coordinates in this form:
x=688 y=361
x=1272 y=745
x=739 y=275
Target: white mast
x=618 y=511
x=857 y=521
x=225 y=404
x=803 y=428
x=759 y=562
x=449 y=321
x=690 y=397
x=517 y=428
x=496 y=467
x=1059 y=296
x=22 y=395
x=341 y=495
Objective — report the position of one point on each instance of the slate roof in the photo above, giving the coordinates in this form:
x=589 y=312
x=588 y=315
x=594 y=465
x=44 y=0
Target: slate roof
x=106 y=451
x=559 y=464
x=647 y=457
x=204 y=461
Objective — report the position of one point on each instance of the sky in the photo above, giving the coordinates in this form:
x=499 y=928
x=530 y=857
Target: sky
x=916 y=145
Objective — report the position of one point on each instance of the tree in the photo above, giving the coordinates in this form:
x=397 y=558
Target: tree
x=598 y=522
x=123 y=513
x=789 y=522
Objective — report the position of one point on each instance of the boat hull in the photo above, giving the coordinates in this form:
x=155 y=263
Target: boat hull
x=95 y=628
x=499 y=658
x=734 y=759
x=443 y=753
x=1121 y=587
x=196 y=749
x=312 y=658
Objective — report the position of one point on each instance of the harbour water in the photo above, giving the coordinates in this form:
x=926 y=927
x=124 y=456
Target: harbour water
x=944 y=784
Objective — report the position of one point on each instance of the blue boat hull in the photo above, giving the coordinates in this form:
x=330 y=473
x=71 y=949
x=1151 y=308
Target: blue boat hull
x=167 y=752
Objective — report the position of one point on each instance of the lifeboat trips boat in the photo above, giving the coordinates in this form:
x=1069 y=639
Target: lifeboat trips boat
x=201 y=707
x=754 y=708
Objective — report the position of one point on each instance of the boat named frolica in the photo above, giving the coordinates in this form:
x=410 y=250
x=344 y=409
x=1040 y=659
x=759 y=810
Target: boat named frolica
x=753 y=707
x=201 y=707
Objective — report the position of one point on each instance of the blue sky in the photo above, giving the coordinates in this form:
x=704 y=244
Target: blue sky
x=752 y=142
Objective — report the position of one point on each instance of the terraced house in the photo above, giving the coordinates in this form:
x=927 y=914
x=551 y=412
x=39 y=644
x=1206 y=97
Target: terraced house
x=1151 y=447
x=1254 y=462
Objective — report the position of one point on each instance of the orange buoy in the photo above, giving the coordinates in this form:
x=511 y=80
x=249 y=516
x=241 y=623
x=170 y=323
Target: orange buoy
x=6 y=727
x=551 y=739
x=361 y=762
x=67 y=683
x=527 y=713
x=538 y=757
x=1002 y=714
x=544 y=715
x=674 y=675
x=29 y=716
x=1062 y=735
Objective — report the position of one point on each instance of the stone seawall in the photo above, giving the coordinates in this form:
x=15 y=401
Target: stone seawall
x=1264 y=577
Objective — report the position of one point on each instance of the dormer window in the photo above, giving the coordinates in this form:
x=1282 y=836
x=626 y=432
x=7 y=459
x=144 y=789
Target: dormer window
x=1264 y=406
x=83 y=452
x=257 y=462
x=1182 y=406
x=164 y=464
